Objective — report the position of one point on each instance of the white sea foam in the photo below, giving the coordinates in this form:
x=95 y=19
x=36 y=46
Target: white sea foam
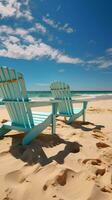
x=89 y=97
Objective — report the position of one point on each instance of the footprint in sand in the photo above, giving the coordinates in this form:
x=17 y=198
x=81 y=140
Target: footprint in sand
x=99 y=135
x=15 y=176
x=54 y=196
x=45 y=187
x=100 y=172
x=92 y=161
x=106 y=156
x=59 y=179
x=62 y=178
x=101 y=145
x=8 y=192
x=4 y=153
x=19 y=176
x=7 y=198
x=106 y=189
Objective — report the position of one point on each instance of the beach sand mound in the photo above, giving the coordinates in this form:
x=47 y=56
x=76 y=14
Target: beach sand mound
x=75 y=164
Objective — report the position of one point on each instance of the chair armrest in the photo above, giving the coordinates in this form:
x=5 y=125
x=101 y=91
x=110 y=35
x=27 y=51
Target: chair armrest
x=45 y=103
x=73 y=101
x=84 y=102
x=39 y=103
x=79 y=100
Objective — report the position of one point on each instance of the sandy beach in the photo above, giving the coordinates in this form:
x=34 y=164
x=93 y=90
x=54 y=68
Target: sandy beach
x=74 y=164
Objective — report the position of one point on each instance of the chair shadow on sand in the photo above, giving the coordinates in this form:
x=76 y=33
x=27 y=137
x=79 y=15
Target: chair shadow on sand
x=35 y=152
x=84 y=126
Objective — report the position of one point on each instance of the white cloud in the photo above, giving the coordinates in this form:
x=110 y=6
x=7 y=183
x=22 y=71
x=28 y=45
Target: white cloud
x=101 y=62
x=20 y=44
x=50 y=22
x=40 y=28
x=65 y=28
x=15 y=8
x=29 y=39
x=21 y=31
x=7 y=32
x=66 y=59
x=109 y=51
x=13 y=39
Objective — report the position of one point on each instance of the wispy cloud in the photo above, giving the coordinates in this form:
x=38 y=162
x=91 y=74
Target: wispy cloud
x=21 y=32
x=100 y=62
x=61 y=70
x=58 y=8
x=15 y=8
x=16 y=35
x=57 y=25
x=93 y=42
x=41 y=28
x=60 y=58
x=8 y=30
x=20 y=44
x=109 y=51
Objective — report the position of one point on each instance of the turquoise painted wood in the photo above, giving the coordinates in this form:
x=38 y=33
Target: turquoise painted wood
x=15 y=97
x=61 y=92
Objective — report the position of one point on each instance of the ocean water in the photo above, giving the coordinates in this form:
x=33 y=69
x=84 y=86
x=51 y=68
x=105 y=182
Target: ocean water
x=47 y=94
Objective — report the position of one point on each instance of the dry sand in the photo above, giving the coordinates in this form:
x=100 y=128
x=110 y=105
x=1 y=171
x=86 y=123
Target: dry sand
x=75 y=164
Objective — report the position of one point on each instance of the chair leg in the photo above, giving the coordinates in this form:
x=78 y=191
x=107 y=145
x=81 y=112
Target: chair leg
x=54 y=115
x=65 y=118
x=31 y=135
x=71 y=119
x=3 y=131
x=84 y=116
x=53 y=124
x=34 y=132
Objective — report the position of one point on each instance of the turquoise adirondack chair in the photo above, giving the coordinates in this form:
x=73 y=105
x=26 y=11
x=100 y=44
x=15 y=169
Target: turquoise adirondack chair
x=61 y=93
x=18 y=105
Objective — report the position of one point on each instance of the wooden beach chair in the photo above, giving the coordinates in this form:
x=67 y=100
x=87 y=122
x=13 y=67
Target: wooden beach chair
x=61 y=92
x=16 y=100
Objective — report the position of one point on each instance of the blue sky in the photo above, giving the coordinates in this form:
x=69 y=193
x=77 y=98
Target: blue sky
x=68 y=40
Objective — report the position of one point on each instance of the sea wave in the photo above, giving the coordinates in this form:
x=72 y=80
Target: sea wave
x=78 y=97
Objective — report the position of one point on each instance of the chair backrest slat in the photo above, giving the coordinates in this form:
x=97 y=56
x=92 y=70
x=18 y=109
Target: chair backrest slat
x=13 y=89
x=24 y=93
x=61 y=91
x=6 y=95
x=18 y=96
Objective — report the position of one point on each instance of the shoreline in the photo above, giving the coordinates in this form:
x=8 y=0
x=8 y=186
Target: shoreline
x=90 y=97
